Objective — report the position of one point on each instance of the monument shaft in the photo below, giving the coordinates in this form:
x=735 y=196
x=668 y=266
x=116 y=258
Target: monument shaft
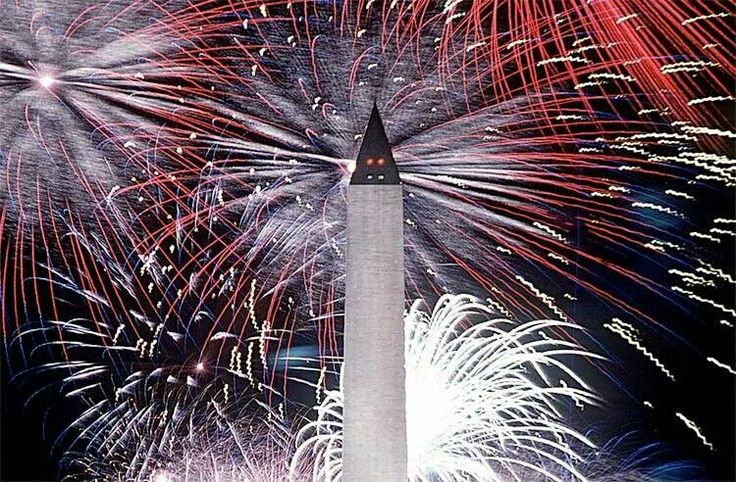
x=374 y=444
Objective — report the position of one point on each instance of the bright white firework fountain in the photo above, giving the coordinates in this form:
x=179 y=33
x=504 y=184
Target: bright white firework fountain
x=483 y=400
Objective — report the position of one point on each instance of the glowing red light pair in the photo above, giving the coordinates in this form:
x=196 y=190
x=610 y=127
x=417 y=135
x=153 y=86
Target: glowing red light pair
x=381 y=161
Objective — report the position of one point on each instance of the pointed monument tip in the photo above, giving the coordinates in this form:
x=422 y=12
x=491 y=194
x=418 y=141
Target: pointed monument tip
x=375 y=163
x=375 y=113
x=375 y=128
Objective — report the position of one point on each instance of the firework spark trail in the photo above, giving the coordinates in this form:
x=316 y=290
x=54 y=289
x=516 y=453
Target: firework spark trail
x=490 y=166
x=203 y=442
x=482 y=400
x=152 y=405
x=143 y=381
x=85 y=90
x=497 y=166
x=693 y=426
x=629 y=333
x=645 y=464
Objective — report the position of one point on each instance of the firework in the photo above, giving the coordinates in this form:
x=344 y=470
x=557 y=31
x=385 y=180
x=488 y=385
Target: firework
x=513 y=139
x=526 y=146
x=153 y=444
x=174 y=181
x=142 y=400
x=646 y=462
x=540 y=146
x=483 y=399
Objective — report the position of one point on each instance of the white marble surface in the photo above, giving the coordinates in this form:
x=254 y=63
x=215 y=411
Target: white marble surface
x=374 y=447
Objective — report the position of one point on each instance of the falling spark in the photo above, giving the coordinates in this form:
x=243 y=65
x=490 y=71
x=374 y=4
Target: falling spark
x=721 y=365
x=629 y=333
x=693 y=426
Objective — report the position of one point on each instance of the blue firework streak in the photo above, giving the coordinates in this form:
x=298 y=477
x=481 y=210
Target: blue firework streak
x=556 y=159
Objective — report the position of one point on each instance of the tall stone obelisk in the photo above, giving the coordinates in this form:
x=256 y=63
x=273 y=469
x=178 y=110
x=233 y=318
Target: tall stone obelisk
x=374 y=413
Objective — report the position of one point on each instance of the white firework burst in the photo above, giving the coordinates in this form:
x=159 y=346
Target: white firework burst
x=189 y=443
x=74 y=80
x=483 y=400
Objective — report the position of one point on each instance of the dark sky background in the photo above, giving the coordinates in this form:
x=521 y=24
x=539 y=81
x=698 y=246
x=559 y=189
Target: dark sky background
x=25 y=452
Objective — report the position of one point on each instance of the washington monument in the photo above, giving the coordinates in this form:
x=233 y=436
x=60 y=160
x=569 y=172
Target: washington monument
x=374 y=443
